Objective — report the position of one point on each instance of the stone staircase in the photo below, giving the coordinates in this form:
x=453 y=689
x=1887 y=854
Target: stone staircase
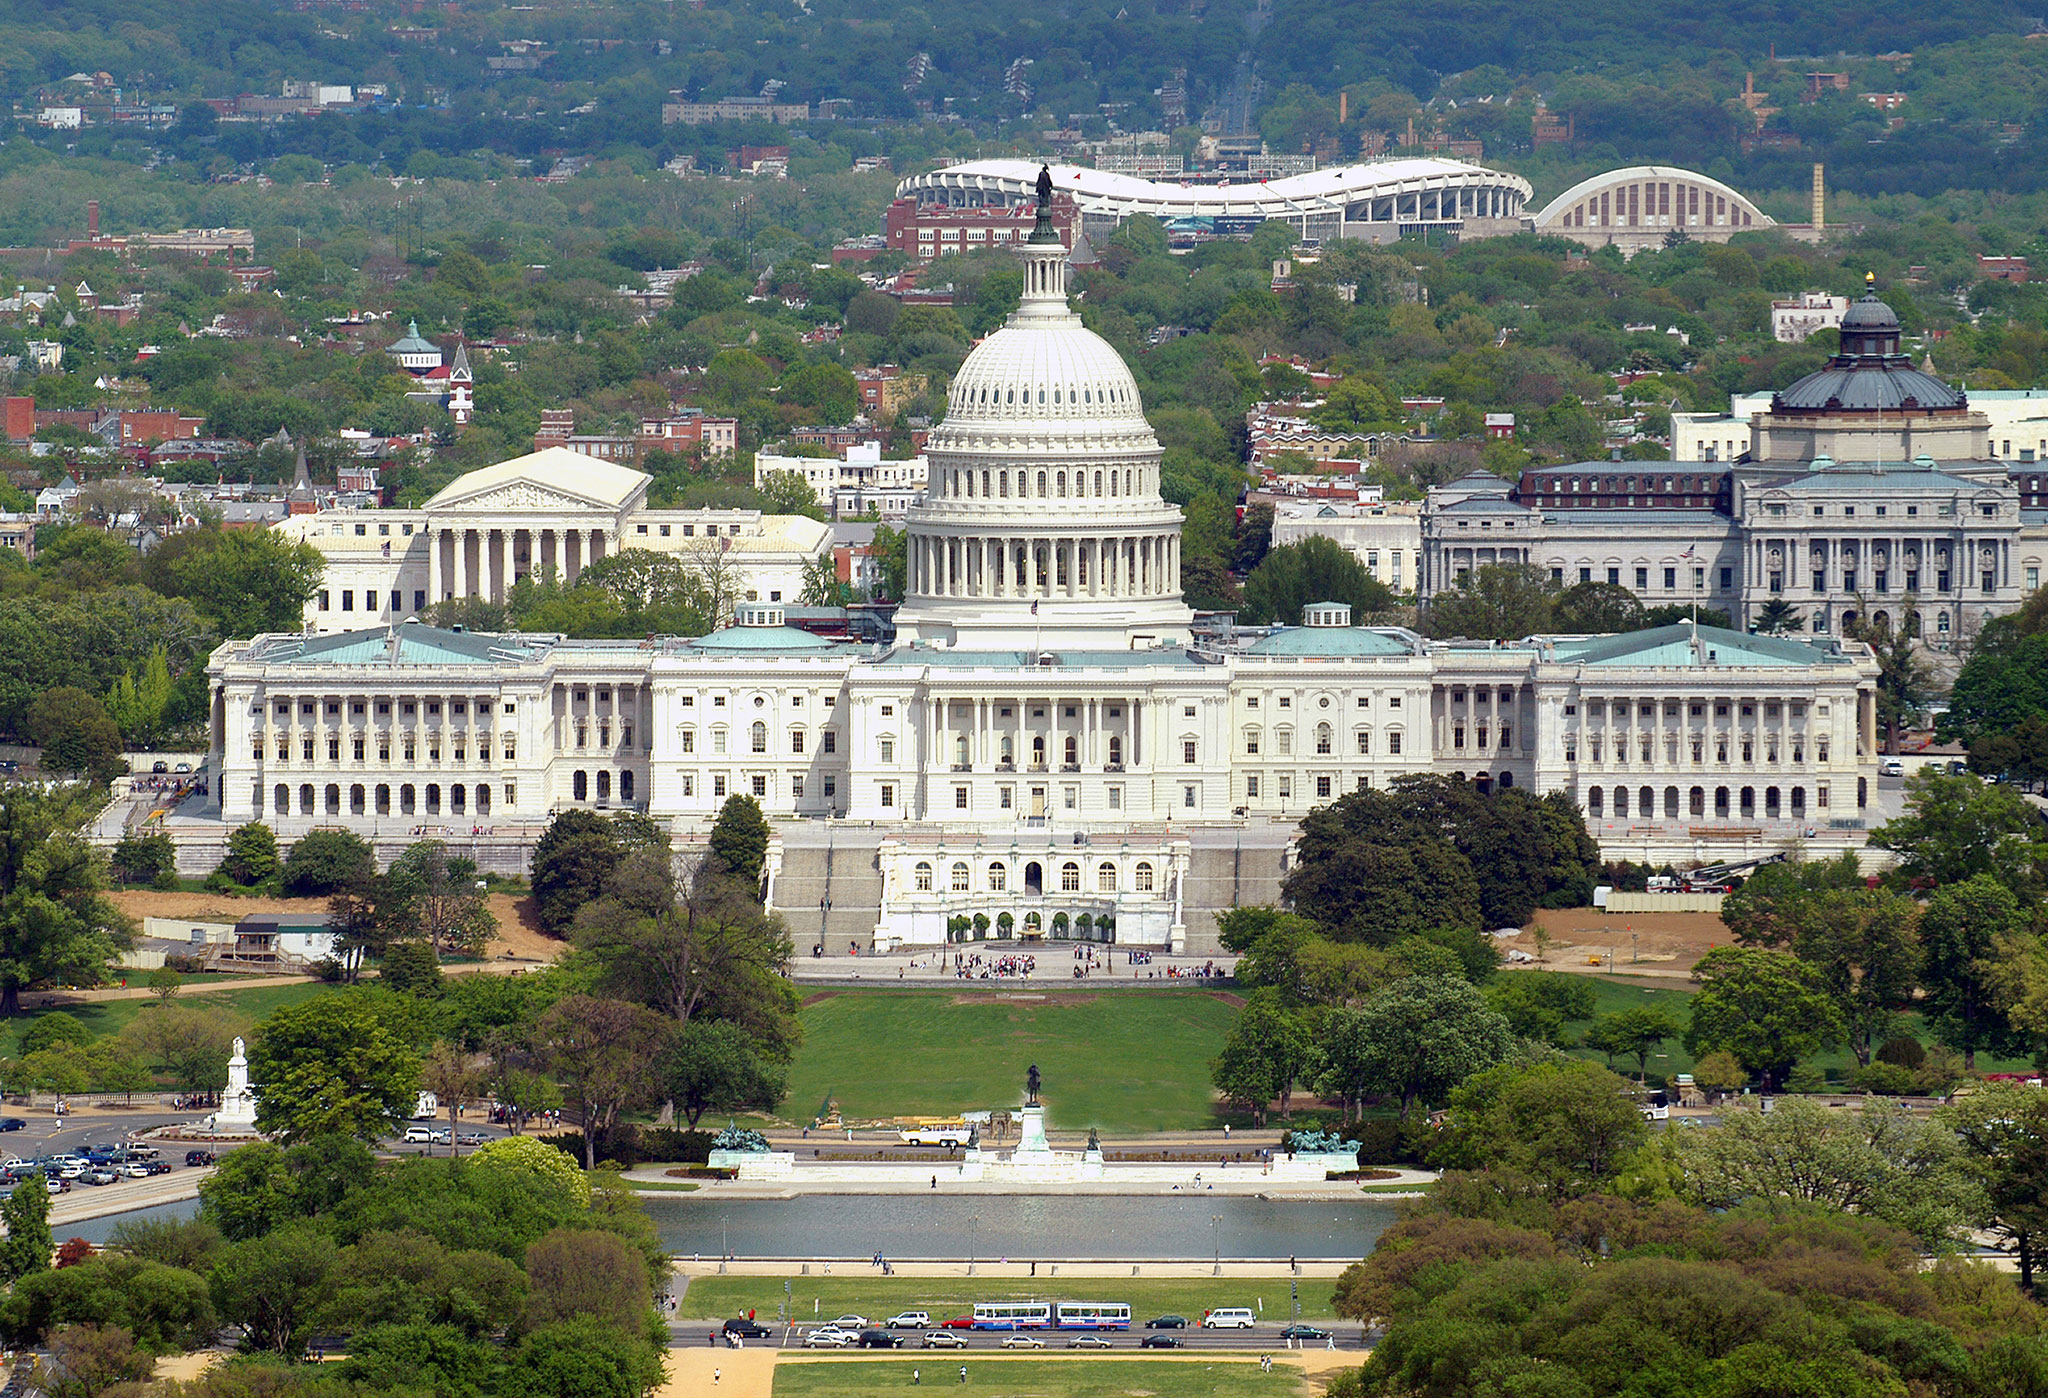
x=826 y=861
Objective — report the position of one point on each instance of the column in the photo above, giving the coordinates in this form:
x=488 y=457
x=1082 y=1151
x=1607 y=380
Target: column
x=504 y=592
x=434 y=536
x=461 y=562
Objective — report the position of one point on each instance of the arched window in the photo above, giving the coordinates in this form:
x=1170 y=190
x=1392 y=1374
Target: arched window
x=921 y=877
x=1105 y=878
x=625 y=786
x=604 y=786
x=1070 y=752
x=998 y=878
x=1141 y=877
x=408 y=800
x=959 y=878
x=1098 y=482
x=1061 y=485
x=282 y=799
x=1070 y=877
x=1041 y=485
x=579 y=786
x=333 y=798
x=433 y=798
x=758 y=736
x=1116 y=751
x=1322 y=740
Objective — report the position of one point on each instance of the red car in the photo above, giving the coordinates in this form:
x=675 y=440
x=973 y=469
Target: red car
x=960 y=1322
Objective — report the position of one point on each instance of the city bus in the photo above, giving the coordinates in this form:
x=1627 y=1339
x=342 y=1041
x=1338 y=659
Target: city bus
x=936 y=1132
x=1012 y=1315
x=1091 y=1315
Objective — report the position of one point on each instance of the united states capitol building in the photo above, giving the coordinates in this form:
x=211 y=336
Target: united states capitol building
x=1048 y=748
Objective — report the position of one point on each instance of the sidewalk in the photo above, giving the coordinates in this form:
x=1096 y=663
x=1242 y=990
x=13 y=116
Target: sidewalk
x=858 y=1268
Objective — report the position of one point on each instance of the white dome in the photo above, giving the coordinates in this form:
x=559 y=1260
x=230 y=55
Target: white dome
x=1045 y=371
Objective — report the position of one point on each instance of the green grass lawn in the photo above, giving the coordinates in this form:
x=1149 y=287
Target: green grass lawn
x=1095 y=1377
x=1122 y=1061
x=110 y=1016
x=878 y=1297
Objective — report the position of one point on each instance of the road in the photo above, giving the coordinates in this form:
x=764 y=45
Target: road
x=1260 y=1339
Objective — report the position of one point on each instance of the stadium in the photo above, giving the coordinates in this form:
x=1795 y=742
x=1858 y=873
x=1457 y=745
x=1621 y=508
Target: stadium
x=1380 y=201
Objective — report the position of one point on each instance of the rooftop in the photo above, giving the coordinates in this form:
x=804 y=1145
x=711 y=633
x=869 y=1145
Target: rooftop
x=1676 y=647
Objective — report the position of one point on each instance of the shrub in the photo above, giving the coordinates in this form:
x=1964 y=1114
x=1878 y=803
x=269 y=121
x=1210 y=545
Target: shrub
x=1904 y=1052
x=1887 y=1080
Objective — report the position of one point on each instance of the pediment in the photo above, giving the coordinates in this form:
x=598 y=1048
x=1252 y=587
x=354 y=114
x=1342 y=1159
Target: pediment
x=520 y=497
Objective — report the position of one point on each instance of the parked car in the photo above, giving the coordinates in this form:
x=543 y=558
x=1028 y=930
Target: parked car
x=99 y=1174
x=55 y=1185
x=201 y=1157
x=1891 y=767
x=471 y=1138
x=1088 y=1342
x=142 y=1150
x=182 y=767
x=747 y=1329
x=154 y=1167
x=426 y=1135
x=1304 y=1332
x=137 y=1170
x=909 y=1320
x=11 y=1123
x=1161 y=1341
x=879 y=1339
x=855 y=1323
x=1019 y=1340
x=944 y=1339
x=829 y=1337
x=1168 y=1322
x=159 y=768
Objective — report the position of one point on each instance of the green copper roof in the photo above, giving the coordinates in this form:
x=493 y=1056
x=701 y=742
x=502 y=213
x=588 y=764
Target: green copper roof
x=759 y=640
x=409 y=644
x=1327 y=641
x=1675 y=646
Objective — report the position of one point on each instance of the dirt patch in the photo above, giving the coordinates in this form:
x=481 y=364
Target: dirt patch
x=519 y=936
x=1587 y=940
x=1236 y=1002
x=813 y=999
x=1055 y=998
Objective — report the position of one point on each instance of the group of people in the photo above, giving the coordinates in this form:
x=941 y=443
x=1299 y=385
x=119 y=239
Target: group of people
x=974 y=967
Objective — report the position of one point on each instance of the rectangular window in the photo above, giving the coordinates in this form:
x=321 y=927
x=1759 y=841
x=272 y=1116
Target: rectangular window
x=888 y=749
x=888 y=795
x=1251 y=786
x=829 y=740
x=323 y=599
x=1670 y=579
x=1614 y=577
x=1187 y=752
x=1642 y=578
x=718 y=785
x=1727 y=578
x=959 y=798
x=1394 y=744
x=1006 y=797
x=717 y=740
x=796 y=788
x=689 y=786
x=1188 y=797
x=831 y=787
x=348 y=599
x=1322 y=786
x=760 y=786
x=1364 y=744
x=1116 y=798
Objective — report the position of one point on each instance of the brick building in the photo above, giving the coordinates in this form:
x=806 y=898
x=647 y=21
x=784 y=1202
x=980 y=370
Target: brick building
x=926 y=231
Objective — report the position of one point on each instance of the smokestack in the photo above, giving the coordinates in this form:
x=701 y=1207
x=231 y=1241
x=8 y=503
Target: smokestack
x=1343 y=107
x=92 y=220
x=1819 y=198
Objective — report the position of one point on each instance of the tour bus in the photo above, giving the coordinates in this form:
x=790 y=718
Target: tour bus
x=1012 y=1315
x=936 y=1133
x=1091 y=1315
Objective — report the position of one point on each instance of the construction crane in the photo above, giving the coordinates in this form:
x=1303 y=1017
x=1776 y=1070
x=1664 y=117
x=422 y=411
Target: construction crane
x=1711 y=878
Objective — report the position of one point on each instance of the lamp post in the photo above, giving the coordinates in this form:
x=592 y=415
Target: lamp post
x=973 y=1241
x=1216 y=1237
x=724 y=1246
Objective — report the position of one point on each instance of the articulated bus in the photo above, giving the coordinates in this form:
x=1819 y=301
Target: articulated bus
x=1041 y=1315
x=1091 y=1315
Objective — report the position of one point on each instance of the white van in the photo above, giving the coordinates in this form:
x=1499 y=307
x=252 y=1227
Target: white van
x=1230 y=1318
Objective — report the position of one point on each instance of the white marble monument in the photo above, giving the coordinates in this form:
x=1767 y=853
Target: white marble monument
x=237 y=1114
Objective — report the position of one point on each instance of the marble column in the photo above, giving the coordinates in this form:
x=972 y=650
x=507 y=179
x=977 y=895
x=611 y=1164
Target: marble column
x=461 y=537
x=434 y=540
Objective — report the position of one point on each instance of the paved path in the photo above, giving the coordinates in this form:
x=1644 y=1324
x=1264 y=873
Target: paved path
x=750 y=1373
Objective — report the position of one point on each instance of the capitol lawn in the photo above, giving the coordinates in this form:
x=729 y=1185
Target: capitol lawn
x=1119 y=1060
x=820 y=1298
x=1206 y=1376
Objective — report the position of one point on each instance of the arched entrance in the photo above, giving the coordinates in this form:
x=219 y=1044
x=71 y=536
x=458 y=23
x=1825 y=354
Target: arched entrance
x=1034 y=880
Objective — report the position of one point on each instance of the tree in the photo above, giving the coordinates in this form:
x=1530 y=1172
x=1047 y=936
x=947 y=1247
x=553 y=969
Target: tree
x=332 y=1065
x=410 y=968
x=1882 y=1161
x=432 y=896
x=821 y=585
x=1267 y=1049
x=1777 y=616
x=274 y=1286
x=136 y=703
x=788 y=493
x=251 y=856
x=146 y=859
x=1496 y=602
x=573 y=858
x=1376 y=892
x=163 y=1307
x=1961 y=929
x=713 y=1066
x=327 y=861
x=2003 y=1132
x=26 y=1216
x=582 y=1272
x=190 y=1044
x=1538 y=1004
x=1766 y=1008
x=453 y=1077
x=1422 y=1036
x=1597 y=608
x=89 y=1360
x=739 y=840
x=1956 y=827
x=1903 y=679
x=604 y=1052
x=249 y=581
x=1777 y=901
x=76 y=735
x=1864 y=944
x=1315 y=570
x=1636 y=1032
x=56 y=925
x=406 y=1278
x=1568 y=1125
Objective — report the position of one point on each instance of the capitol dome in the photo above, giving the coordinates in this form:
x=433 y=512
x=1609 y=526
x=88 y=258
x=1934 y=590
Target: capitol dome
x=1042 y=522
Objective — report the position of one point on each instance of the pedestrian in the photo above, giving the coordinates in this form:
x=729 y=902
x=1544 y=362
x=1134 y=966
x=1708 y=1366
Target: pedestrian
x=963 y=1373
x=1034 y=1269
x=712 y=1339
x=1330 y=1341
x=915 y=1378
x=1226 y=1130
x=716 y=1375
x=935 y=1181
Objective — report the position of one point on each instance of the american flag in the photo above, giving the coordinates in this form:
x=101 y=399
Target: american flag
x=1034 y=606
x=1689 y=552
